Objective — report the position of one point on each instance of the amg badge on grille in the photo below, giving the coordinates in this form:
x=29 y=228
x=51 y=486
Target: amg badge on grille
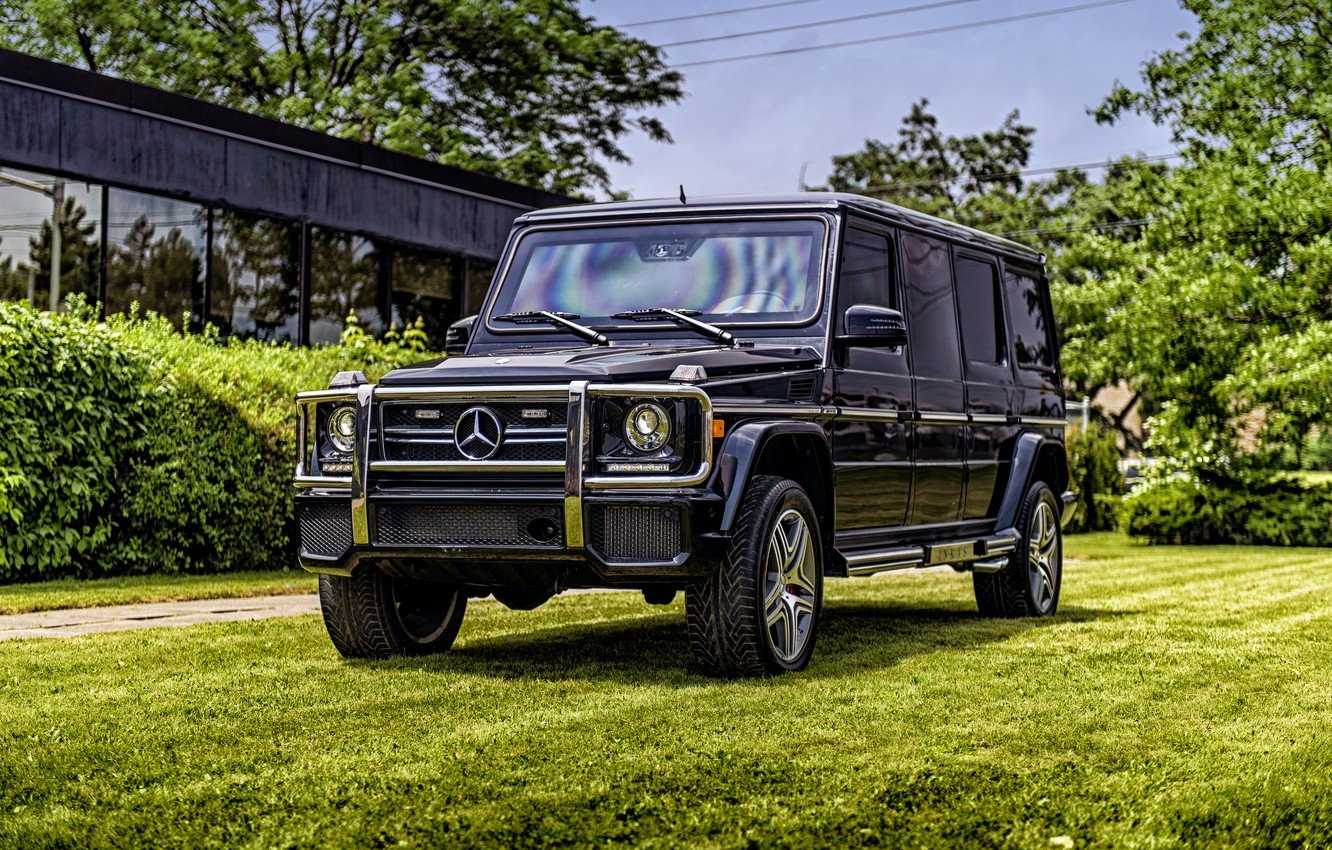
x=427 y=414
x=535 y=413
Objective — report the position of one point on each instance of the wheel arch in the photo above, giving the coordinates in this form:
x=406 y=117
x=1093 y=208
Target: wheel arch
x=1035 y=458
x=796 y=450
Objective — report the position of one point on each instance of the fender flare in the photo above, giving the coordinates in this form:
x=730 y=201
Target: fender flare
x=1026 y=459
x=741 y=451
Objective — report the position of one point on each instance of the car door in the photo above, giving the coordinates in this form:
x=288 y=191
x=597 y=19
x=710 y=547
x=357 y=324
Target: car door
x=988 y=375
x=872 y=386
x=936 y=363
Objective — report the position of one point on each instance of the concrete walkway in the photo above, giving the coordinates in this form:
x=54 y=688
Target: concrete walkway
x=119 y=618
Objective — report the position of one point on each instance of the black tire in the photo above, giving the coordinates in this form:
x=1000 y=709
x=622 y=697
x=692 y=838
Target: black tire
x=371 y=615
x=1023 y=588
x=729 y=631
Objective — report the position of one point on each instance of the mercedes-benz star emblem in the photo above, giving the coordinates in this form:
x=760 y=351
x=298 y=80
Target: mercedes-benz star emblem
x=478 y=433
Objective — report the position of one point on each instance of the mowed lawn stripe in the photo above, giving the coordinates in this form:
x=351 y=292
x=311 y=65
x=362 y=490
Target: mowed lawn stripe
x=1178 y=699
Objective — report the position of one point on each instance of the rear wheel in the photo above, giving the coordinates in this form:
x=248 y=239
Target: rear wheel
x=371 y=615
x=759 y=612
x=1029 y=585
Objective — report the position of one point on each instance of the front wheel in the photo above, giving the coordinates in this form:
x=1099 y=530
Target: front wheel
x=1029 y=585
x=759 y=613
x=371 y=615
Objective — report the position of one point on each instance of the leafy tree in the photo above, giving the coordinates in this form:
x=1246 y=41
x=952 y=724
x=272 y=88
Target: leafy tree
x=530 y=90
x=1222 y=308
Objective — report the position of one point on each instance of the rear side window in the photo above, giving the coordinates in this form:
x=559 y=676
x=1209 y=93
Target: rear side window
x=931 y=312
x=981 y=309
x=1031 y=322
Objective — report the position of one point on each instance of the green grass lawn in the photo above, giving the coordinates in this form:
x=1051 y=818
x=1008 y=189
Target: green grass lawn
x=1181 y=698
x=73 y=593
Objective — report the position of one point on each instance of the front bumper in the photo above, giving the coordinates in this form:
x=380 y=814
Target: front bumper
x=595 y=529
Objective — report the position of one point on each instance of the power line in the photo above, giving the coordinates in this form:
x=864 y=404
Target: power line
x=717 y=14
x=1063 y=10
x=920 y=7
x=1025 y=172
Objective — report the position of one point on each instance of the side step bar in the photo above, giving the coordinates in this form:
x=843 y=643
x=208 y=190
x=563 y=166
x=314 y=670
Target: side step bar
x=982 y=554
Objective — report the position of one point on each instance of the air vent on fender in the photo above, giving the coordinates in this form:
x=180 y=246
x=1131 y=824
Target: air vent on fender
x=801 y=389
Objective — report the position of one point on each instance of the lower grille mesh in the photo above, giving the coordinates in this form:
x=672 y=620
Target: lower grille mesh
x=631 y=533
x=325 y=528
x=466 y=525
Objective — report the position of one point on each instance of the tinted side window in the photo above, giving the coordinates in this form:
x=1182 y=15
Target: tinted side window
x=866 y=271
x=931 y=314
x=981 y=310
x=1030 y=320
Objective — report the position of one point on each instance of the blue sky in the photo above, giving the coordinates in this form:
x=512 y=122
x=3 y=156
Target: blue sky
x=748 y=127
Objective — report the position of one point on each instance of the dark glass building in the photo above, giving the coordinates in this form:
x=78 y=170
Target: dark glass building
x=209 y=215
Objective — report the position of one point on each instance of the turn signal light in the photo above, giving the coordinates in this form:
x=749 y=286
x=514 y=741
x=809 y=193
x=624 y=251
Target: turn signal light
x=718 y=429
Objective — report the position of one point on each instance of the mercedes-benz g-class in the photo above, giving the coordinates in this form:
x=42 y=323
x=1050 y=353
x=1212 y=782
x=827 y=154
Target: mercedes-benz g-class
x=733 y=398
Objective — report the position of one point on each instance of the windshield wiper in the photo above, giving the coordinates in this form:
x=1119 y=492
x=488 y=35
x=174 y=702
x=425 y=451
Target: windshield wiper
x=682 y=317
x=560 y=320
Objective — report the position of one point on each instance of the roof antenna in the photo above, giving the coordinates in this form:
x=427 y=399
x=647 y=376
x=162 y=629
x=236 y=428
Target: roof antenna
x=682 y=194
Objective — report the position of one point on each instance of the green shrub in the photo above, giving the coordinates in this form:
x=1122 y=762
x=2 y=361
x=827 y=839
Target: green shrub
x=74 y=400
x=1093 y=460
x=187 y=443
x=1249 y=510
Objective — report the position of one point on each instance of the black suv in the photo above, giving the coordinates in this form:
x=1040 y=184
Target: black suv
x=730 y=397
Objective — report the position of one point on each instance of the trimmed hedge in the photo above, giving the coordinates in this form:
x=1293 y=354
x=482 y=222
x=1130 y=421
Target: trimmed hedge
x=1093 y=460
x=1275 y=511
x=137 y=449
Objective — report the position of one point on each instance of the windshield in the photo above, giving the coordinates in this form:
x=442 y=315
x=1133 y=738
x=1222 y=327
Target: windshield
x=731 y=272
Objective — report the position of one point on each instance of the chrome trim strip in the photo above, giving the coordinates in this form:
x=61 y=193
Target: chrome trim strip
x=868 y=563
x=870 y=414
x=941 y=417
x=803 y=411
x=576 y=458
x=326 y=395
x=467 y=466
x=360 y=483
x=989 y=418
x=320 y=482
x=1045 y=421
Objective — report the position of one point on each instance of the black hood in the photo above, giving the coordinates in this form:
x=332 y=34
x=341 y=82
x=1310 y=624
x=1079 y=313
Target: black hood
x=611 y=364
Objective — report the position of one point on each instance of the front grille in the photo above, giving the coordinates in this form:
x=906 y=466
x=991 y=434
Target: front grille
x=423 y=431
x=636 y=533
x=325 y=528
x=468 y=525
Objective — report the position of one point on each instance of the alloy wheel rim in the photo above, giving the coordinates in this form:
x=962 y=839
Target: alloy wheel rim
x=1043 y=556
x=789 y=586
x=422 y=609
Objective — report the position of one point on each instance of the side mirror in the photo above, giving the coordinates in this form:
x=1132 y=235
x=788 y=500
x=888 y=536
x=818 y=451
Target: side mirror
x=458 y=335
x=869 y=325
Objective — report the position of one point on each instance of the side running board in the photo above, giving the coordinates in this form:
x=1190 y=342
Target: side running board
x=982 y=554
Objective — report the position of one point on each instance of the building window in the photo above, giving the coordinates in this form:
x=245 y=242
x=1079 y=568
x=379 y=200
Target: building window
x=155 y=255
x=29 y=260
x=254 y=280
x=479 y=274
x=346 y=278
x=426 y=287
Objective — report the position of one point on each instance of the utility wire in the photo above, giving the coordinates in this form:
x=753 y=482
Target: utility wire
x=1025 y=172
x=1063 y=10
x=717 y=14
x=920 y=7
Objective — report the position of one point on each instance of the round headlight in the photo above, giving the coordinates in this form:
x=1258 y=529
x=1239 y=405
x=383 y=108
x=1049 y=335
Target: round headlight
x=342 y=429
x=647 y=427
